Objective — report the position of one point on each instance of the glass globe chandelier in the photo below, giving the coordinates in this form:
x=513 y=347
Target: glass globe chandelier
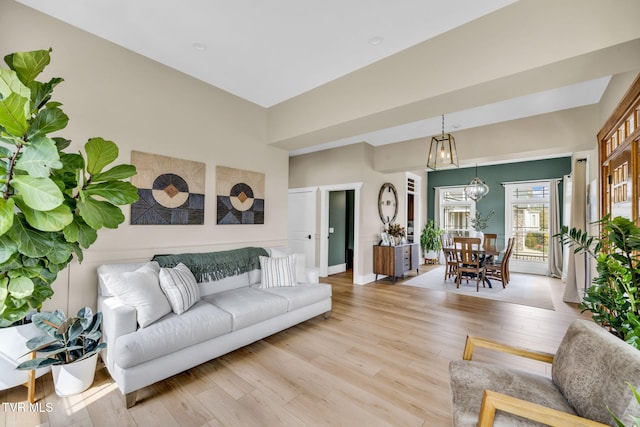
x=477 y=188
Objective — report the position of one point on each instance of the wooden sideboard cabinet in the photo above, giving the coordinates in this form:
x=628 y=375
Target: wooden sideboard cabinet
x=395 y=261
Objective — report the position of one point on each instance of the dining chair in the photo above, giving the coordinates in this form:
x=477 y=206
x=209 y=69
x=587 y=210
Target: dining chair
x=499 y=269
x=451 y=261
x=470 y=262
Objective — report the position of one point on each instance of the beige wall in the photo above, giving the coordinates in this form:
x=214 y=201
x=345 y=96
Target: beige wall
x=145 y=106
x=351 y=164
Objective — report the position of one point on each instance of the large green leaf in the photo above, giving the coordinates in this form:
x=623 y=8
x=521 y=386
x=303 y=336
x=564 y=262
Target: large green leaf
x=5 y=153
x=116 y=192
x=32 y=243
x=21 y=287
x=117 y=172
x=7 y=248
x=6 y=214
x=100 y=153
x=28 y=64
x=38 y=193
x=53 y=220
x=39 y=158
x=47 y=120
x=98 y=214
x=14 y=112
x=41 y=92
x=79 y=231
x=60 y=252
x=4 y=291
x=10 y=83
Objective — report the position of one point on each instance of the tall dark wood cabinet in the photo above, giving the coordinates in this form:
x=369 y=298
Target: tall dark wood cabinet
x=396 y=261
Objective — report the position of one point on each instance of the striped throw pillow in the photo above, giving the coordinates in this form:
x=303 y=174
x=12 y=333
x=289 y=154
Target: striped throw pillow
x=180 y=287
x=277 y=272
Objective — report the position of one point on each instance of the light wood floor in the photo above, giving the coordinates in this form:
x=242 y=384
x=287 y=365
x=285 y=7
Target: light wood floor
x=380 y=359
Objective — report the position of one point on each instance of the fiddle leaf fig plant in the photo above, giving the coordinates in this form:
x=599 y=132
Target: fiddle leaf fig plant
x=53 y=202
x=614 y=297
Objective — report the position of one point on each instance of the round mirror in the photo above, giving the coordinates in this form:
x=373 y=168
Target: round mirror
x=388 y=203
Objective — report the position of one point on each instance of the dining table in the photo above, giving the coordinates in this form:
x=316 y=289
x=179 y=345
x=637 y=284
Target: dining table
x=486 y=253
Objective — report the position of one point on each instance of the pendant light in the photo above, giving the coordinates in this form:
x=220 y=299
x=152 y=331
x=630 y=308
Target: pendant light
x=442 y=151
x=476 y=189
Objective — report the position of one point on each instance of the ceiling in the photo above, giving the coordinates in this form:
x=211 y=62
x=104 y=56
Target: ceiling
x=268 y=52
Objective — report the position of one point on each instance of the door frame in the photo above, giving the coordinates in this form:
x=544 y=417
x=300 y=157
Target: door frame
x=324 y=228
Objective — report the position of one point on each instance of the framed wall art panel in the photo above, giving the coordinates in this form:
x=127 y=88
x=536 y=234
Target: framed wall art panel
x=240 y=196
x=170 y=190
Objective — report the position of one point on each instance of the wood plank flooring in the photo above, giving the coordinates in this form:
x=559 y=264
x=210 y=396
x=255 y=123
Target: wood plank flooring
x=381 y=359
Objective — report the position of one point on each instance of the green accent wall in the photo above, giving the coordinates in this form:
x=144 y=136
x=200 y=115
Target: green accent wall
x=494 y=176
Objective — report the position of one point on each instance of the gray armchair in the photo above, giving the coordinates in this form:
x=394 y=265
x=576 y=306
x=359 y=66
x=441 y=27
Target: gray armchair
x=591 y=371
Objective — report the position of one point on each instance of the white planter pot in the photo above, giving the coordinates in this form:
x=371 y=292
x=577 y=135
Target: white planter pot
x=12 y=346
x=74 y=378
x=431 y=255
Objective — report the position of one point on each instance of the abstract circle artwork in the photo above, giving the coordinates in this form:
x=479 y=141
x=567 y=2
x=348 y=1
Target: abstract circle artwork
x=170 y=190
x=240 y=196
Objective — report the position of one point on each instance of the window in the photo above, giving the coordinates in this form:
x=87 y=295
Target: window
x=527 y=219
x=455 y=210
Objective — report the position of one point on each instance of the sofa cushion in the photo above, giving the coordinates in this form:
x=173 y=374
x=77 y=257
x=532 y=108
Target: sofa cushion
x=248 y=306
x=172 y=333
x=468 y=379
x=228 y=283
x=303 y=294
x=180 y=287
x=590 y=378
x=278 y=271
x=139 y=289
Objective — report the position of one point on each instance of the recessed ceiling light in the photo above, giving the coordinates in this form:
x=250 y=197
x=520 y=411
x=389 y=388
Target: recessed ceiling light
x=200 y=47
x=375 y=41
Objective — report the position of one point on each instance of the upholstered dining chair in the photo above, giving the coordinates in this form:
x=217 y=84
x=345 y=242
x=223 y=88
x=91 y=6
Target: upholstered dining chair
x=499 y=269
x=470 y=262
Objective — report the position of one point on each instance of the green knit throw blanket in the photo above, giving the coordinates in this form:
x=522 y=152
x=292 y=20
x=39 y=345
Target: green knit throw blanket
x=211 y=266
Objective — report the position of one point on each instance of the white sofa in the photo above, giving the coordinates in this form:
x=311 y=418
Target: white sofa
x=232 y=311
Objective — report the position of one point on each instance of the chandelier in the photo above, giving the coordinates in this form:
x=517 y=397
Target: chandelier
x=476 y=189
x=442 y=151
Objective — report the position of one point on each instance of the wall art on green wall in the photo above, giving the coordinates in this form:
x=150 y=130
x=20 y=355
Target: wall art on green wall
x=239 y=196
x=170 y=190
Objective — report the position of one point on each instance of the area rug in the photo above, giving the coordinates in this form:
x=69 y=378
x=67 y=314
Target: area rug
x=523 y=289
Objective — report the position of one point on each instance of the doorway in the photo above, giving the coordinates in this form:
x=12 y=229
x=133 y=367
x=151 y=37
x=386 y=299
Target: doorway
x=341 y=230
x=324 y=229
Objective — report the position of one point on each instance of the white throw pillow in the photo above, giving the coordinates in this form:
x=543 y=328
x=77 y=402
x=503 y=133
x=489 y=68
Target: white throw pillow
x=277 y=272
x=300 y=267
x=139 y=289
x=180 y=287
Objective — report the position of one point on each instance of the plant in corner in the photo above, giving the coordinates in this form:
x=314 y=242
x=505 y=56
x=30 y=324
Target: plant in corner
x=68 y=340
x=614 y=297
x=53 y=202
x=430 y=239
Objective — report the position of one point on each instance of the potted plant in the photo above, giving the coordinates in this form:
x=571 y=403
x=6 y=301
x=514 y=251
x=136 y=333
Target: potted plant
x=53 y=202
x=614 y=297
x=430 y=241
x=70 y=346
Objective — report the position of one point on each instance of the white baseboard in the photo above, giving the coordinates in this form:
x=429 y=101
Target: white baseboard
x=338 y=268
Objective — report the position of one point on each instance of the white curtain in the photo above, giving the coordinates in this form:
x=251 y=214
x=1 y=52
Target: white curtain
x=555 y=246
x=576 y=276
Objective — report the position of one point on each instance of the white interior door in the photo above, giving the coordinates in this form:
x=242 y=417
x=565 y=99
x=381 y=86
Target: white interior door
x=302 y=223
